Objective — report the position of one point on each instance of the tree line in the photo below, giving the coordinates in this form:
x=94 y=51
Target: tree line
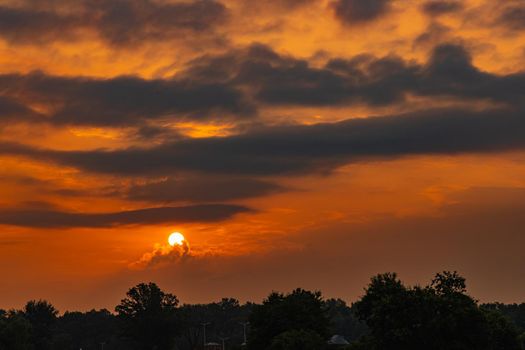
x=389 y=316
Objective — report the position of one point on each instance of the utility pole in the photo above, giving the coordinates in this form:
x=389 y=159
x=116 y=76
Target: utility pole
x=244 y=324
x=204 y=331
x=102 y=346
x=223 y=340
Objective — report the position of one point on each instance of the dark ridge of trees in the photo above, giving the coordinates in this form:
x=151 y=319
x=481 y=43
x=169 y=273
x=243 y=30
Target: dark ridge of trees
x=437 y=316
x=282 y=318
x=389 y=316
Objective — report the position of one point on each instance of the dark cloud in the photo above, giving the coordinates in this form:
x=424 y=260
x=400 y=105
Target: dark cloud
x=118 y=22
x=201 y=189
x=124 y=100
x=281 y=80
x=46 y=187
x=439 y=7
x=12 y=111
x=19 y=25
x=275 y=5
x=359 y=11
x=127 y=22
x=295 y=3
x=234 y=85
x=434 y=34
x=42 y=218
x=303 y=149
x=513 y=16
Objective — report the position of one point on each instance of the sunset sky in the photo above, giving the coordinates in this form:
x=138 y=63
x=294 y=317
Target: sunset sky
x=294 y=143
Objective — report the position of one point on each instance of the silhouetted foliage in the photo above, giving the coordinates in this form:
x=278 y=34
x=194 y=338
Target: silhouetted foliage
x=390 y=316
x=88 y=330
x=42 y=316
x=149 y=316
x=514 y=312
x=15 y=332
x=343 y=320
x=438 y=316
x=298 y=340
x=223 y=319
x=279 y=313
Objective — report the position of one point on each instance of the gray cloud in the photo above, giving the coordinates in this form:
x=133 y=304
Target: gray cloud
x=201 y=189
x=125 y=22
x=512 y=15
x=304 y=149
x=276 y=4
x=124 y=101
x=440 y=7
x=11 y=110
x=118 y=22
x=275 y=79
x=359 y=11
x=235 y=85
x=434 y=34
x=50 y=218
x=18 y=25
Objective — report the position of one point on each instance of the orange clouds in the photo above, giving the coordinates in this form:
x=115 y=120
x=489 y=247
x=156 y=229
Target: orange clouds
x=162 y=255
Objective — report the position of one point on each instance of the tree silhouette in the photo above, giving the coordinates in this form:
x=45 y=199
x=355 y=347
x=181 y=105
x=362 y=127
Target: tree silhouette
x=439 y=316
x=298 y=340
x=389 y=316
x=149 y=316
x=279 y=313
x=343 y=320
x=42 y=316
x=15 y=332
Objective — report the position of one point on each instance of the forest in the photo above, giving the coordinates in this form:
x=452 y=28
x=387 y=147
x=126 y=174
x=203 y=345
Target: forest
x=389 y=315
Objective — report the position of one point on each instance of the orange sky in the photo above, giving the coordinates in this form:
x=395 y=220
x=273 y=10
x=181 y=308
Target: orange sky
x=307 y=143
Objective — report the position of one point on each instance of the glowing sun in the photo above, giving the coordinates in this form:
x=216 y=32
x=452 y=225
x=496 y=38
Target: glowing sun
x=176 y=238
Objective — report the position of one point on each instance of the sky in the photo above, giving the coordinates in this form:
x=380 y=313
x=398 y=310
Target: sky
x=294 y=143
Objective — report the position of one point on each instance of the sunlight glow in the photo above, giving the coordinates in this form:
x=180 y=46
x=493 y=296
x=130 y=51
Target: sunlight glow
x=176 y=238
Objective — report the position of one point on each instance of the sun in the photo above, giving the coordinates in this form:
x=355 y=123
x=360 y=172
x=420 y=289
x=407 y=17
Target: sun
x=176 y=238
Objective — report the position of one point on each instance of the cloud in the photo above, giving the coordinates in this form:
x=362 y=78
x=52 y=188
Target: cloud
x=275 y=4
x=300 y=149
x=512 y=16
x=201 y=189
x=118 y=22
x=41 y=218
x=274 y=79
x=125 y=22
x=13 y=111
x=162 y=256
x=434 y=34
x=124 y=101
x=358 y=11
x=19 y=25
x=440 y=7
x=237 y=85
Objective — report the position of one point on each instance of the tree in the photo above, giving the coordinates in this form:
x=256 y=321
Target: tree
x=42 y=316
x=279 y=313
x=224 y=318
x=15 y=332
x=514 y=312
x=149 y=316
x=298 y=340
x=439 y=316
x=343 y=320
x=87 y=330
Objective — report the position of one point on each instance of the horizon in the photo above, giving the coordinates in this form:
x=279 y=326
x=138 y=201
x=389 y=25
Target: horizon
x=288 y=143
x=182 y=303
